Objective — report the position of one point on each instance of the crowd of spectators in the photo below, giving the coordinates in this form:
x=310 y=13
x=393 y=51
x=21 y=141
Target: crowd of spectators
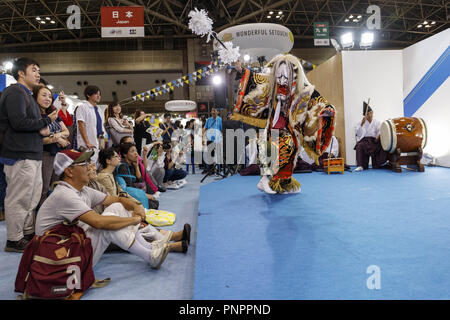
x=103 y=174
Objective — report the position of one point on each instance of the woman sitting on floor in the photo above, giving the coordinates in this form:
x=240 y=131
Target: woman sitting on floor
x=174 y=176
x=152 y=181
x=109 y=159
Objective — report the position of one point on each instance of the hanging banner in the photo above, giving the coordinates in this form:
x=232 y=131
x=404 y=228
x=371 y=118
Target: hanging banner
x=120 y=22
x=321 y=34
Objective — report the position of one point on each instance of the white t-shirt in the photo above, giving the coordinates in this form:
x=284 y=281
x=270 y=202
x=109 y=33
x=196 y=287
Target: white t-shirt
x=86 y=113
x=66 y=203
x=368 y=129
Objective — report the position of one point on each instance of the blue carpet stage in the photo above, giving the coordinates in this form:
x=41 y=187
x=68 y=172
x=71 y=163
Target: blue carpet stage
x=315 y=245
x=319 y=244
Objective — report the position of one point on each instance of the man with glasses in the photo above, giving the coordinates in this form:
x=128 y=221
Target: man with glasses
x=72 y=201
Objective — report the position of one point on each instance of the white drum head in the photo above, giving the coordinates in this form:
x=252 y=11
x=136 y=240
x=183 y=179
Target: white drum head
x=388 y=136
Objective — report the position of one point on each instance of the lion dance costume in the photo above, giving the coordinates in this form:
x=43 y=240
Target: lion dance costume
x=284 y=103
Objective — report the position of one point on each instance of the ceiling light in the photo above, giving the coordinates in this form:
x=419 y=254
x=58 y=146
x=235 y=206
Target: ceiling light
x=433 y=22
x=346 y=20
x=43 y=22
x=217 y=80
x=271 y=12
x=366 y=40
x=277 y=17
x=8 y=65
x=427 y=26
x=38 y=18
x=425 y=22
x=47 y=18
x=246 y=57
x=355 y=20
x=347 y=40
x=419 y=26
x=269 y=17
x=360 y=16
x=52 y=21
x=351 y=16
x=280 y=12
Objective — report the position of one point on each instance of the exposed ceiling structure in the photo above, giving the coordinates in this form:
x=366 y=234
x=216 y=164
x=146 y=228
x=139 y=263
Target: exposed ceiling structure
x=168 y=19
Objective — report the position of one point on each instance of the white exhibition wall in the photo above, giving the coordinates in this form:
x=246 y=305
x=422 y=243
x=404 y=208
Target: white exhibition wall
x=426 y=67
x=377 y=75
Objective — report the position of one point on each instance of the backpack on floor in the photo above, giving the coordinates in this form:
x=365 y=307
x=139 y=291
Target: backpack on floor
x=57 y=265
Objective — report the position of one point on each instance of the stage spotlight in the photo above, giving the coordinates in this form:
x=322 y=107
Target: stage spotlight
x=246 y=58
x=217 y=80
x=347 y=40
x=366 y=40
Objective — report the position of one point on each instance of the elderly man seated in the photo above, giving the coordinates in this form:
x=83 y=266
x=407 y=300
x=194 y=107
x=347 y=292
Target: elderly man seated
x=72 y=201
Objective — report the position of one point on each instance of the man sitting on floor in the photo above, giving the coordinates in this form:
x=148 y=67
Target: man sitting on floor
x=72 y=200
x=368 y=142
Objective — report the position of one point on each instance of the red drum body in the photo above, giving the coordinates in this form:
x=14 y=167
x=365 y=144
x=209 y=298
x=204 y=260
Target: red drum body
x=406 y=133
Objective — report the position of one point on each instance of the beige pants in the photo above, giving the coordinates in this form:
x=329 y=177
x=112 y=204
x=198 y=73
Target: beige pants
x=102 y=238
x=23 y=192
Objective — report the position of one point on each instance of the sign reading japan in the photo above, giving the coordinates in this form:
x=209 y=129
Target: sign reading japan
x=122 y=22
x=321 y=34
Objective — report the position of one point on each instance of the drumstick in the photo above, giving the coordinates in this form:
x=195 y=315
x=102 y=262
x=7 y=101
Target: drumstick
x=368 y=101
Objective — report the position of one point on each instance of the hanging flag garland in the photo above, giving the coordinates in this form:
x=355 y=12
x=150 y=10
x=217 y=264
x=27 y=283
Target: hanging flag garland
x=180 y=82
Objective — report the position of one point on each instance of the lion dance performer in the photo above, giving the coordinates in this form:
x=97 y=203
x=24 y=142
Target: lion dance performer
x=284 y=102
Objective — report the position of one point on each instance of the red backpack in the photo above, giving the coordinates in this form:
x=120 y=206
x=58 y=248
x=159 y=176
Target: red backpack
x=57 y=265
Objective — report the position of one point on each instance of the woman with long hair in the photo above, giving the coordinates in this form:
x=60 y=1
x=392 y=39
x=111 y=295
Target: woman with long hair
x=118 y=125
x=130 y=171
x=53 y=143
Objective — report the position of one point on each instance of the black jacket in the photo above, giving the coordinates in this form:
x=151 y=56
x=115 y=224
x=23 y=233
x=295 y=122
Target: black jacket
x=20 y=122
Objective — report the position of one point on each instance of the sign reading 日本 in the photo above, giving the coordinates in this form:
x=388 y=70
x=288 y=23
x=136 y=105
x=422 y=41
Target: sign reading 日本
x=122 y=22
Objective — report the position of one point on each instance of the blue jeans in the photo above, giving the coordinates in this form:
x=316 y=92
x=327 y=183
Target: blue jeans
x=174 y=174
x=2 y=187
x=191 y=164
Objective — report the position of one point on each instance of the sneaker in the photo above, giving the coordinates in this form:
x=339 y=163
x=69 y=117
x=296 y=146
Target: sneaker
x=263 y=185
x=29 y=237
x=156 y=195
x=158 y=254
x=359 y=169
x=16 y=246
x=167 y=236
x=180 y=183
x=173 y=186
